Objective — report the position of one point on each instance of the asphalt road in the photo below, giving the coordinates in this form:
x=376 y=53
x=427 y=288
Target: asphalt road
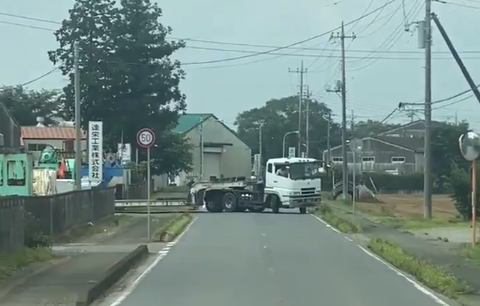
x=270 y=260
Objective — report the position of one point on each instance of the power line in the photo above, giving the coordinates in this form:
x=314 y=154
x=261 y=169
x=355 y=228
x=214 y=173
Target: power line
x=35 y=79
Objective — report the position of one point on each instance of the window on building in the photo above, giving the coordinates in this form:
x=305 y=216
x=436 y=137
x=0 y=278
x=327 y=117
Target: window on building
x=398 y=159
x=337 y=159
x=36 y=147
x=368 y=158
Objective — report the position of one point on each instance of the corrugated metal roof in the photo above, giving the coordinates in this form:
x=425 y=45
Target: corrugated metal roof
x=33 y=132
x=187 y=122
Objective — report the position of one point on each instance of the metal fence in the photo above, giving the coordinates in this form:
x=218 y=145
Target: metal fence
x=21 y=217
x=131 y=192
x=53 y=215
x=12 y=224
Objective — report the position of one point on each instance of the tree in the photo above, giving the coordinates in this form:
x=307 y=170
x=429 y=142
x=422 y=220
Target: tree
x=280 y=116
x=26 y=105
x=371 y=127
x=128 y=80
x=445 y=150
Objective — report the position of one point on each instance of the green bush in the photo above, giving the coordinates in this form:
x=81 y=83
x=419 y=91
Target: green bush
x=461 y=186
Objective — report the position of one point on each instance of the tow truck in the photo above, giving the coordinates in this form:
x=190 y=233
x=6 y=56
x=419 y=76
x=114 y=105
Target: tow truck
x=286 y=183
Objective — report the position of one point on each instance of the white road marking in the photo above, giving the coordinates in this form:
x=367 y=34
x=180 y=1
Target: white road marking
x=161 y=255
x=416 y=284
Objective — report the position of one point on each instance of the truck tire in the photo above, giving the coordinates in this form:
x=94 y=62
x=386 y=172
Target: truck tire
x=274 y=204
x=303 y=210
x=256 y=209
x=214 y=206
x=229 y=202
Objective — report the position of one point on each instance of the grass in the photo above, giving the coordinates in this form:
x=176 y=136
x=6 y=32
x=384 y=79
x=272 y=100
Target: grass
x=107 y=224
x=9 y=263
x=172 y=229
x=337 y=221
x=432 y=276
x=472 y=253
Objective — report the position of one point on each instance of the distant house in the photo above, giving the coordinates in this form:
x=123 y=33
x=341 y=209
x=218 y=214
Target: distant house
x=224 y=154
x=36 y=138
x=399 y=150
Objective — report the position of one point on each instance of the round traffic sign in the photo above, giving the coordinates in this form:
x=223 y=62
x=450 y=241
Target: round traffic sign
x=146 y=138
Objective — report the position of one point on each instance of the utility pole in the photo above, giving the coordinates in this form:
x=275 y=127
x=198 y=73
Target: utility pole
x=328 y=138
x=352 y=123
x=300 y=71
x=341 y=87
x=427 y=177
x=201 y=149
x=260 y=149
x=78 y=130
x=307 y=121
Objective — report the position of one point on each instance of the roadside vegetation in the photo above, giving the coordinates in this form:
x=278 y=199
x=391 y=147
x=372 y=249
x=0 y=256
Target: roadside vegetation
x=172 y=229
x=432 y=276
x=9 y=263
x=337 y=221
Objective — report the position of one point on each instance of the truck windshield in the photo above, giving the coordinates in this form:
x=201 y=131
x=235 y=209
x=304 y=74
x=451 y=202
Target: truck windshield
x=299 y=171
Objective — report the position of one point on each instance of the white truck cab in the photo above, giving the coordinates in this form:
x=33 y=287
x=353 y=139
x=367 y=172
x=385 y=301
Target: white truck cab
x=295 y=181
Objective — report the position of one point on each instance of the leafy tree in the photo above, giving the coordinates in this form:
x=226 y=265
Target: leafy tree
x=371 y=127
x=26 y=105
x=280 y=116
x=445 y=150
x=461 y=185
x=128 y=80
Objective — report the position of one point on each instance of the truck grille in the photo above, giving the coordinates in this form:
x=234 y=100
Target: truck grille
x=308 y=191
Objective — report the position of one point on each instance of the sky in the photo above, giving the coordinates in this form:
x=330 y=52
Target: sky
x=384 y=64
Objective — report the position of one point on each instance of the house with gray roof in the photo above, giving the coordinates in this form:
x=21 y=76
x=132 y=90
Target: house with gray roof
x=399 y=150
x=224 y=154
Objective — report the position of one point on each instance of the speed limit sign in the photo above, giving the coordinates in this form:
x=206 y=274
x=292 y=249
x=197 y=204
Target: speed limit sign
x=146 y=138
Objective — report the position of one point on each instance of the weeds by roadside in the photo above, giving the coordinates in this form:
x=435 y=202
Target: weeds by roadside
x=432 y=276
x=172 y=229
x=337 y=221
x=472 y=253
x=11 y=262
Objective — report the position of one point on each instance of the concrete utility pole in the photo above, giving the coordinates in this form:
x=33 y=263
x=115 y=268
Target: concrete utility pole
x=427 y=183
x=78 y=131
x=260 y=148
x=328 y=138
x=307 y=122
x=201 y=149
x=343 y=91
x=300 y=71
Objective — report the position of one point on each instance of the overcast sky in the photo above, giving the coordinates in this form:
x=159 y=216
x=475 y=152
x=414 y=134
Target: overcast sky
x=392 y=70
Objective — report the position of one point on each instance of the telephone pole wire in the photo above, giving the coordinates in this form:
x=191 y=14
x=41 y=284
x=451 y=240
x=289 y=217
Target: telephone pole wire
x=300 y=71
x=427 y=183
x=343 y=90
x=78 y=118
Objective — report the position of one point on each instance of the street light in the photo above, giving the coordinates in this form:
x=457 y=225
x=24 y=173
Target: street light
x=284 y=137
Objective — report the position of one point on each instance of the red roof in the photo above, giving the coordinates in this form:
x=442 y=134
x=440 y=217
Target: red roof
x=33 y=132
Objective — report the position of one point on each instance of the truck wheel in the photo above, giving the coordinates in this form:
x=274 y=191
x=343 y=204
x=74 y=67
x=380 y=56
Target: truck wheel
x=274 y=204
x=229 y=202
x=303 y=210
x=213 y=206
x=256 y=209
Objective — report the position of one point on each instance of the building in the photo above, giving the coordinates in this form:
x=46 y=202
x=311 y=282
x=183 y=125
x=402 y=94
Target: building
x=36 y=138
x=399 y=150
x=224 y=154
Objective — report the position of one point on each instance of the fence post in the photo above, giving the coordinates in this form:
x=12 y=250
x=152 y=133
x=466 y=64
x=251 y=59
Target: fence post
x=51 y=216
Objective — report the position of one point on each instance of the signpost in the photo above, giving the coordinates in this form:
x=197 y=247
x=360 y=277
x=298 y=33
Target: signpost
x=146 y=139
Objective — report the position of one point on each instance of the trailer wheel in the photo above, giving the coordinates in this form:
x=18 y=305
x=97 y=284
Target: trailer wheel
x=256 y=209
x=230 y=202
x=303 y=210
x=275 y=204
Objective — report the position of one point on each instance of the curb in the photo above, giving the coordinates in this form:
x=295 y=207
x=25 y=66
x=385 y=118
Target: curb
x=111 y=276
x=163 y=232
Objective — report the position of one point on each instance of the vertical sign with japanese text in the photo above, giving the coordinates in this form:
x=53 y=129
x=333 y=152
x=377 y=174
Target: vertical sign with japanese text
x=95 y=150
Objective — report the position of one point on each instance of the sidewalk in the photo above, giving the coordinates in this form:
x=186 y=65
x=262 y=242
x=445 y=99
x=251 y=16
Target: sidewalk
x=444 y=255
x=78 y=266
